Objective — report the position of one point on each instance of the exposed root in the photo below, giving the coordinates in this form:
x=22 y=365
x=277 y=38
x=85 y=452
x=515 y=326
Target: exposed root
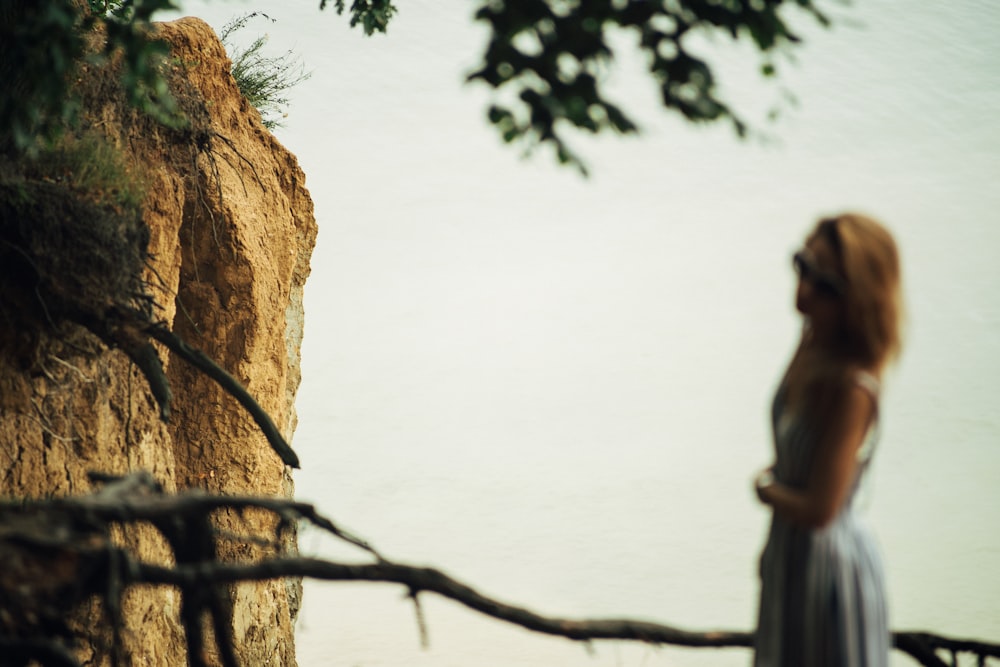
x=204 y=364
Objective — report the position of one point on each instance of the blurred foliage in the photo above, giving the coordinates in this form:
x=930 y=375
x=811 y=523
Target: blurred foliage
x=41 y=44
x=546 y=59
x=373 y=15
x=105 y=7
x=547 y=56
x=262 y=79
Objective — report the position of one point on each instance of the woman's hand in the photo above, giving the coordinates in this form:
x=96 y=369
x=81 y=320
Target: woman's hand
x=762 y=482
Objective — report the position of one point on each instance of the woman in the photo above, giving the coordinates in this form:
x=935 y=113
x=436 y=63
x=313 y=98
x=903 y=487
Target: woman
x=822 y=587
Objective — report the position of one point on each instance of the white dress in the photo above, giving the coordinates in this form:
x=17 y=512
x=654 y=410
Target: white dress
x=822 y=600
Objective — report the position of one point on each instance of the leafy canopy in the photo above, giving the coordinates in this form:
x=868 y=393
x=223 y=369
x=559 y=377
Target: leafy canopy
x=548 y=55
x=545 y=57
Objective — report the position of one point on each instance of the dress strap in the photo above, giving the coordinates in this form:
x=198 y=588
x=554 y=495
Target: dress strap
x=870 y=384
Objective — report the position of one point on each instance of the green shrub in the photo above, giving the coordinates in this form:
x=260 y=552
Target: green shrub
x=262 y=79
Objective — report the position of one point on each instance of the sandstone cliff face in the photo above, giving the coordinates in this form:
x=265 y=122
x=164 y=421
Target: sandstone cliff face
x=231 y=232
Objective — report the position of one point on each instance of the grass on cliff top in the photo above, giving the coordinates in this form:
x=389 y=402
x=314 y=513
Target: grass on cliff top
x=264 y=80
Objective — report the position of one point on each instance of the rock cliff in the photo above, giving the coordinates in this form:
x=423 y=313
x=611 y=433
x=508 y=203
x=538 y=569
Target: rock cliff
x=230 y=233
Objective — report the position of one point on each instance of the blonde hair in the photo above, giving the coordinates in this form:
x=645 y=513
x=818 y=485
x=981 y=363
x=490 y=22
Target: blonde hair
x=871 y=333
x=871 y=329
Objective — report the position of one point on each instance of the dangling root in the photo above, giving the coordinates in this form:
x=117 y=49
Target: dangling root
x=231 y=385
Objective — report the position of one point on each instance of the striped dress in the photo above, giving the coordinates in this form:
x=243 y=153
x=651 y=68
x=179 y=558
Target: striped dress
x=822 y=598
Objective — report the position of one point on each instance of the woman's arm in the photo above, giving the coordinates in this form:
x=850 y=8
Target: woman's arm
x=834 y=467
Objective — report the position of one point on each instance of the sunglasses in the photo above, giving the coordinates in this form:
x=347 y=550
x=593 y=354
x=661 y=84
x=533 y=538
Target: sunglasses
x=826 y=284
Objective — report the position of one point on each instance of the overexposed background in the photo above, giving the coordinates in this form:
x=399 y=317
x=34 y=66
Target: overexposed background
x=556 y=389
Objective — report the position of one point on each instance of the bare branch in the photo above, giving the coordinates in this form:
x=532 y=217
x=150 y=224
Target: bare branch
x=184 y=520
x=419 y=579
x=920 y=646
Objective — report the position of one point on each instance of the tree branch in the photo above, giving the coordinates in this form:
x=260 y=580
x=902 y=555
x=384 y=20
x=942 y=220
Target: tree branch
x=184 y=519
x=420 y=579
x=919 y=645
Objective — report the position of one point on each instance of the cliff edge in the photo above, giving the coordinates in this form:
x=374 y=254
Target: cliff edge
x=230 y=231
